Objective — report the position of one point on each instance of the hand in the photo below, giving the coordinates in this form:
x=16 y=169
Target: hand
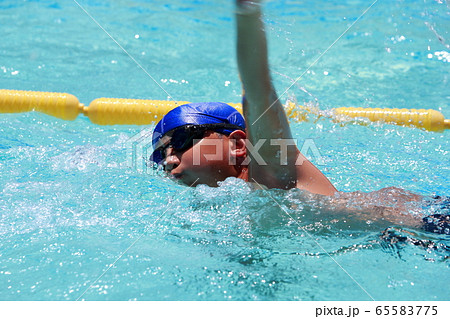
x=247 y=6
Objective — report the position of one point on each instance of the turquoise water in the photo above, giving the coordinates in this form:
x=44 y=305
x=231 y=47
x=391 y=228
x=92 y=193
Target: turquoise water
x=71 y=205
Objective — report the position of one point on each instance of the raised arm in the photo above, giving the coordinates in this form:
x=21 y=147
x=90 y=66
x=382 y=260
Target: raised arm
x=264 y=114
x=282 y=165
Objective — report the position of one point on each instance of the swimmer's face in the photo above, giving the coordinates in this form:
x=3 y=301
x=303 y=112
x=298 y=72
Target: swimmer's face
x=208 y=160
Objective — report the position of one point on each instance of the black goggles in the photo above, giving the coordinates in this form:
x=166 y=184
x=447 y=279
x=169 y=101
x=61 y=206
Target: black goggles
x=183 y=138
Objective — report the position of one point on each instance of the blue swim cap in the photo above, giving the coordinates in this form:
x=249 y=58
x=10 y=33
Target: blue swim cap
x=198 y=114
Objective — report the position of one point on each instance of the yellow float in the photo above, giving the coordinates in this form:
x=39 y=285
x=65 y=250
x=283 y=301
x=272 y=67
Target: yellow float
x=108 y=111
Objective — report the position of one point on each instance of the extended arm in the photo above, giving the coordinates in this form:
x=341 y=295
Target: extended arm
x=263 y=112
x=282 y=166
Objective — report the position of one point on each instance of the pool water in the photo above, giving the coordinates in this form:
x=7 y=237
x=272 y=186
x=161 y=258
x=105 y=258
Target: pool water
x=71 y=204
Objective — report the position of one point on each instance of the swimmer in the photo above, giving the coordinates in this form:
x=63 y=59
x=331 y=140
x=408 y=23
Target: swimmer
x=205 y=143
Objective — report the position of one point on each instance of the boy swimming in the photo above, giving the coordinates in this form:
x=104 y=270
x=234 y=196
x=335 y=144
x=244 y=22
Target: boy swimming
x=205 y=143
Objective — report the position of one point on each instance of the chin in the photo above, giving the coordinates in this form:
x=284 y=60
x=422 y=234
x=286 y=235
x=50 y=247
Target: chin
x=188 y=181
x=194 y=183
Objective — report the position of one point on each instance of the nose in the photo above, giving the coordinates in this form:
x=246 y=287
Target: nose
x=172 y=160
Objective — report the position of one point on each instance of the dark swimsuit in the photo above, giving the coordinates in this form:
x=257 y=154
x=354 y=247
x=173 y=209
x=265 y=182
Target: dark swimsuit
x=440 y=221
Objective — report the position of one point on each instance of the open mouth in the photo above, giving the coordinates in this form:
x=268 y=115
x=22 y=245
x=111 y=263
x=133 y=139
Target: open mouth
x=176 y=176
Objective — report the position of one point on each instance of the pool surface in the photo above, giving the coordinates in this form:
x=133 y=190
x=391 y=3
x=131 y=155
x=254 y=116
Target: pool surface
x=80 y=221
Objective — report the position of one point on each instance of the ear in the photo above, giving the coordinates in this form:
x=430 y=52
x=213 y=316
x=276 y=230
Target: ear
x=238 y=147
